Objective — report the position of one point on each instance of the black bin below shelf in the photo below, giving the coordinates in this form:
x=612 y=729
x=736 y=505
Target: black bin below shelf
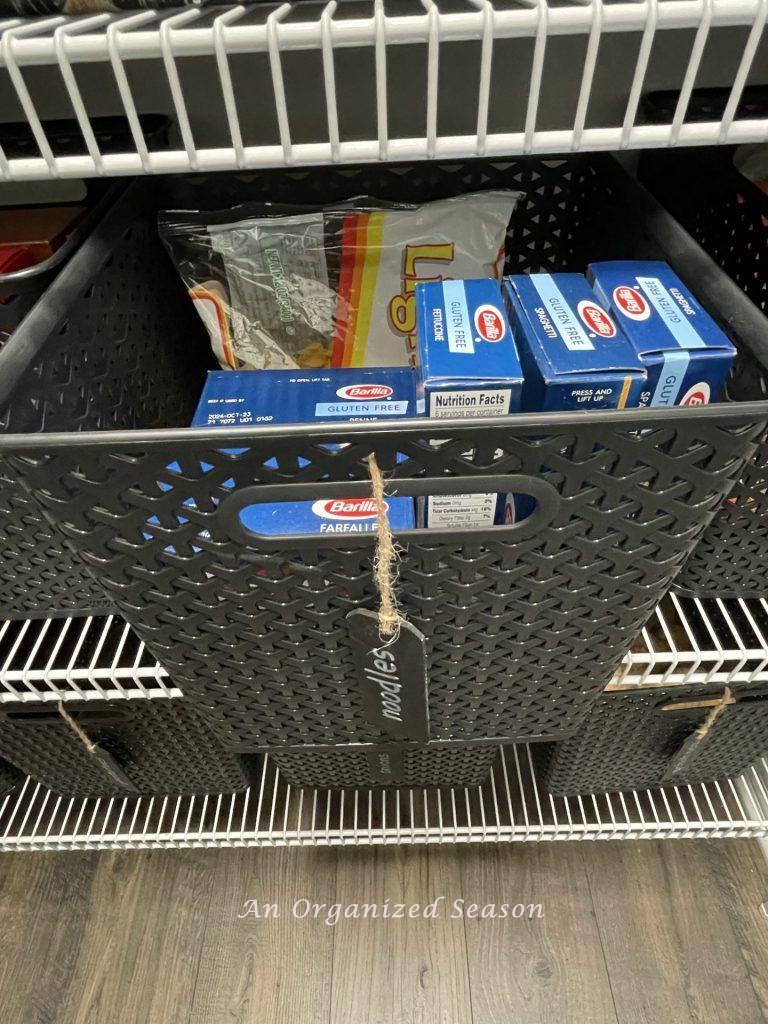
x=646 y=738
x=142 y=747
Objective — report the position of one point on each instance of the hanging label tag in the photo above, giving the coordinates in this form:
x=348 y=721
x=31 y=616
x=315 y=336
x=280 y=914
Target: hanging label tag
x=113 y=769
x=386 y=765
x=392 y=677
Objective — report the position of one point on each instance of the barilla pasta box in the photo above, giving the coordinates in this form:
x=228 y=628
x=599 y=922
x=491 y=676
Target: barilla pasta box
x=328 y=515
x=238 y=398
x=468 y=361
x=686 y=355
x=573 y=353
x=235 y=398
x=469 y=367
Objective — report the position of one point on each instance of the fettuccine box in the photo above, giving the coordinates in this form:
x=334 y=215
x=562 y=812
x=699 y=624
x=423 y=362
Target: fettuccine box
x=468 y=367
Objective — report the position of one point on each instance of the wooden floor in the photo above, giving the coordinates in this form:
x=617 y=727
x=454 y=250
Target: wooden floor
x=631 y=933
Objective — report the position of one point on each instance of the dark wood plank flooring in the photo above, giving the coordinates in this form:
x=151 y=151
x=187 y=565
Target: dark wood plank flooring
x=626 y=933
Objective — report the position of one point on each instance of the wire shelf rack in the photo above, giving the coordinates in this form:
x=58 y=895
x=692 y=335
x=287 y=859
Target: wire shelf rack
x=317 y=82
x=510 y=807
x=93 y=658
x=101 y=658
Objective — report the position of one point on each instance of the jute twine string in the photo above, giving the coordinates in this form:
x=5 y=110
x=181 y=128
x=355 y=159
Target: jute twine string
x=688 y=751
x=717 y=710
x=88 y=743
x=386 y=559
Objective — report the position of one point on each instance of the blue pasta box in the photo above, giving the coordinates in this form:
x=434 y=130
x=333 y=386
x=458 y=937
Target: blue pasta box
x=236 y=398
x=686 y=355
x=574 y=355
x=259 y=397
x=469 y=367
x=328 y=515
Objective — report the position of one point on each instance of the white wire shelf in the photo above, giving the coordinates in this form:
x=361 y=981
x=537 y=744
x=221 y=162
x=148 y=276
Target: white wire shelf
x=686 y=641
x=100 y=658
x=510 y=807
x=77 y=659
x=350 y=81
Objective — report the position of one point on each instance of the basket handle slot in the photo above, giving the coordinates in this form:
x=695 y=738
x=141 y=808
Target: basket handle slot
x=546 y=505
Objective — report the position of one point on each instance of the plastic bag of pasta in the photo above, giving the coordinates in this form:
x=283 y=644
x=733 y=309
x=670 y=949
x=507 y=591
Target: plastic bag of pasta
x=285 y=287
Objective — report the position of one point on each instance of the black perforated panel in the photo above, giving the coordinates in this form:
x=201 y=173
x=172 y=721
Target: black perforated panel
x=123 y=357
x=161 y=746
x=628 y=742
x=524 y=625
x=356 y=767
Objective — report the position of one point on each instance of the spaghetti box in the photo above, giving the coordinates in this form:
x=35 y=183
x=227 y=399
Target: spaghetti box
x=685 y=353
x=574 y=355
x=469 y=367
x=236 y=398
x=257 y=397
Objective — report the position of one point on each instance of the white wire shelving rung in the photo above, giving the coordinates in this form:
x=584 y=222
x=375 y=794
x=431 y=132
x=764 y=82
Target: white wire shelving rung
x=175 y=51
x=510 y=807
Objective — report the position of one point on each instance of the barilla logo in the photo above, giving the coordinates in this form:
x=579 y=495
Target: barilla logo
x=631 y=302
x=596 y=319
x=489 y=323
x=365 y=392
x=347 y=508
x=699 y=394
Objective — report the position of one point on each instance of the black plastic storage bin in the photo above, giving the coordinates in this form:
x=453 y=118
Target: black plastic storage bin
x=728 y=215
x=524 y=623
x=392 y=764
x=144 y=747
x=644 y=738
x=121 y=356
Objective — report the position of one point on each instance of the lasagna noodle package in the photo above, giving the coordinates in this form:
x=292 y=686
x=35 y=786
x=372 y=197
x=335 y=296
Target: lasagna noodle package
x=281 y=288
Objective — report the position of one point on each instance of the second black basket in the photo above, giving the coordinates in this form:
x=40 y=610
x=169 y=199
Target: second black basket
x=122 y=748
x=642 y=739
x=391 y=764
x=728 y=216
x=123 y=355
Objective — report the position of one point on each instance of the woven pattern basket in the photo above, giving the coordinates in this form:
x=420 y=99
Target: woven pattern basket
x=123 y=356
x=524 y=624
x=637 y=740
x=728 y=216
x=158 y=746
x=411 y=765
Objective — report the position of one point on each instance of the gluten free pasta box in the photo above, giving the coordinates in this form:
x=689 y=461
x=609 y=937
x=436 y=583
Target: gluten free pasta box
x=686 y=355
x=261 y=397
x=574 y=355
x=469 y=367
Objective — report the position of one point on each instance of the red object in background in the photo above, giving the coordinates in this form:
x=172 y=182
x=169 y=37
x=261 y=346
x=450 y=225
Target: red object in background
x=14 y=257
